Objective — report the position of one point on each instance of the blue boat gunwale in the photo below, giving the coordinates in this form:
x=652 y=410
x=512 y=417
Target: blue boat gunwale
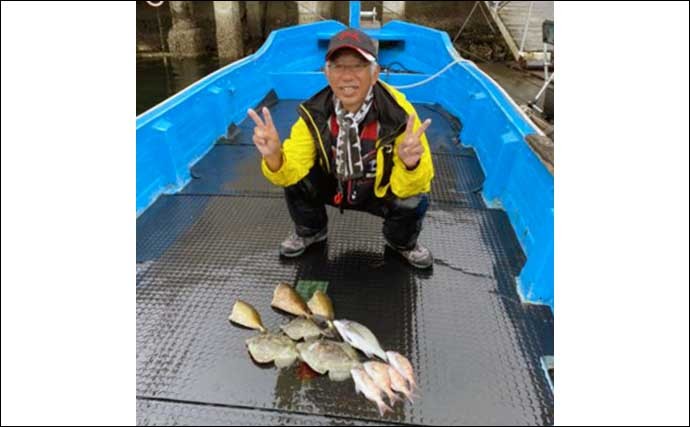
x=164 y=131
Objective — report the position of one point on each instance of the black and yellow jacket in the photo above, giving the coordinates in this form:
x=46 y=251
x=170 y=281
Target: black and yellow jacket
x=310 y=134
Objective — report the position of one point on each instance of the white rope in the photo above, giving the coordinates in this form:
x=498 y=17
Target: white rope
x=428 y=79
x=155 y=3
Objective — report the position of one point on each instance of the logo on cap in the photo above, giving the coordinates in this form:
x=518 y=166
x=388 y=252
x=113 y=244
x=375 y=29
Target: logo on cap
x=349 y=35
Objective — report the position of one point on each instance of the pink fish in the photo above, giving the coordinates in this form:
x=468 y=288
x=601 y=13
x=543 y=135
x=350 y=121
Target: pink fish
x=365 y=385
x=403 y=366
x=378 y=372
x=399 y=384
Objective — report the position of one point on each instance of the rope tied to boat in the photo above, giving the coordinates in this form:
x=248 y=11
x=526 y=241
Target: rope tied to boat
x=428 y=79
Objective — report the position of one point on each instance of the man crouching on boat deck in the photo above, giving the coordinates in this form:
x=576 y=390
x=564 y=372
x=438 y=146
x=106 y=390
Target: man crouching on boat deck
x=358 y=144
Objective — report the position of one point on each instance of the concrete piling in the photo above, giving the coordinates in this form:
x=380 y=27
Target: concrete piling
x=185 y=38
x=228 y=17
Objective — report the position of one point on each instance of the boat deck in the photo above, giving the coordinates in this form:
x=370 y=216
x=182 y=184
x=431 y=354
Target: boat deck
x=477 y=351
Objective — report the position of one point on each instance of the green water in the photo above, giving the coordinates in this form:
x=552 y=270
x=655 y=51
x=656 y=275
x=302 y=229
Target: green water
x=160 y=78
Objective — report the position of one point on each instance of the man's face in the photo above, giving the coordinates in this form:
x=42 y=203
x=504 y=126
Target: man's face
x=350 y=77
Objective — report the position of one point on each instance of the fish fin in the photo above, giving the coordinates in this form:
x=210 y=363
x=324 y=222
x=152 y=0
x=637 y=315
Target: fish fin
x=284 y=362
x=338 y=375
x=383 y=408
x=292 y=337
x=393 y=398
x=328 y=333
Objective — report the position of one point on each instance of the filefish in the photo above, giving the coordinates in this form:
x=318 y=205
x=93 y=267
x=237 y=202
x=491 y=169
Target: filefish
x=287 y=299
x=266 y=348
x=320 y=305
x=403 y=366
x=323 y=356
x=322 y=309
x=378 y=372
x=365 y=384
x=359 y=337
x=246 y=315
x=301 y=328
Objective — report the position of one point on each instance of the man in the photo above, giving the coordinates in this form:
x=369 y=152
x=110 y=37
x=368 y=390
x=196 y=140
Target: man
x=358 y=144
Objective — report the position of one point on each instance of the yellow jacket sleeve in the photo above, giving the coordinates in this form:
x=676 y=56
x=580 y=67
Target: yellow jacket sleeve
x=406 y=183
x=299 y=153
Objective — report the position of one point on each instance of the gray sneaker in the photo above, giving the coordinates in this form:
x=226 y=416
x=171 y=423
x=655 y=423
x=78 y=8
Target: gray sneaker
x=419 y=256
x=295 y=245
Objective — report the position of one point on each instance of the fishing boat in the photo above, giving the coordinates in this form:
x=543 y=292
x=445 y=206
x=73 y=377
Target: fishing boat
x=477 y=328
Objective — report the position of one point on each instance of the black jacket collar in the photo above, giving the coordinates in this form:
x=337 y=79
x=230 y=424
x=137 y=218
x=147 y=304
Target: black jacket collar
x=391 y=116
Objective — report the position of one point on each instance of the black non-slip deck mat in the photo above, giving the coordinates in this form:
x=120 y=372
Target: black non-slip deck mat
x=231 y=170
x=475 y=347
x=458 y=178
x=162 y=412
x=461 y=325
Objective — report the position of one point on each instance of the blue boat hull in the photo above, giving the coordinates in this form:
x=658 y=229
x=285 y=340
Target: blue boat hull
x=174 y=135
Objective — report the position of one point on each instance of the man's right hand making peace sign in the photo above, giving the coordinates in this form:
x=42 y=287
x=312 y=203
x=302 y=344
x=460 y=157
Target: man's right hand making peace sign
x=266 y=139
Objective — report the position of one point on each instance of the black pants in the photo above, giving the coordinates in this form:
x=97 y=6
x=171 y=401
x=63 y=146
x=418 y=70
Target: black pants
x=307 y=201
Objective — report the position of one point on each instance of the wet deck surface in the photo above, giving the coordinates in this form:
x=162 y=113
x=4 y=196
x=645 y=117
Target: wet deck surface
x=475 y=349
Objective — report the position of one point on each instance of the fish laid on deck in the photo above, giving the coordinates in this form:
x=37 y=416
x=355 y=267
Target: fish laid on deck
x=378 y=371
x=402 y=365
x=360 y=337
x=323 y=356
x=301 y=328
x=399 y=384
x=266 y=348
x=246 y=315
x=365 y=384
x=321 y=305
x=285 y=298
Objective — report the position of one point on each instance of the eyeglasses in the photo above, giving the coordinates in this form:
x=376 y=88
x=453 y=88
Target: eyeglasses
x=341 y=68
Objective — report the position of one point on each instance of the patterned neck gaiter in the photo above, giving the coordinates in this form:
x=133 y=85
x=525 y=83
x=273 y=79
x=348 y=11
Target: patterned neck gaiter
x=348 y=155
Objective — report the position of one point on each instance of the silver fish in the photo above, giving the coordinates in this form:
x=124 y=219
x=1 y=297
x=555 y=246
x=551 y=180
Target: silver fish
x=323 y=356
x=365 y=384
x=266 y=348
x=359 y=337
x=402 y=365
x=300 y=328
